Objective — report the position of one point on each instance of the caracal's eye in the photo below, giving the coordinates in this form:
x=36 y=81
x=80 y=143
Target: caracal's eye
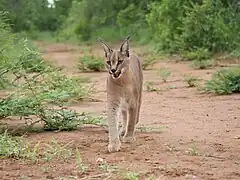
x=120 y=61
x=108 y=62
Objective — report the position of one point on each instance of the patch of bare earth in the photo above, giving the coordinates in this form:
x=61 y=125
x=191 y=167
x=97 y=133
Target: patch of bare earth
x=185 y=134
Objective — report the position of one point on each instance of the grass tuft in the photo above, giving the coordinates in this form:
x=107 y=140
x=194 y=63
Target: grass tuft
x=148 y=61
x=56 y=150
x=91 y=63
x=150 y=87
x=17 y=147
x=164 y=74
x=79 y=164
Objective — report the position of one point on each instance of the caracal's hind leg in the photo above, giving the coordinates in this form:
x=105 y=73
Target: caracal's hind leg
x=122 y=130
x=139 y=103
x=129 y=134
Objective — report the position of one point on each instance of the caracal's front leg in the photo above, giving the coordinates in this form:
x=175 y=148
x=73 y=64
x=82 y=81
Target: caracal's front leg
x=113 y=109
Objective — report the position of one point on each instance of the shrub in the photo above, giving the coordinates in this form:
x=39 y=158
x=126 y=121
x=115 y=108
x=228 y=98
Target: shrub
x=34 y=96
x=18 y=107
x=56 y=88
x=65 y=120
x=198 y=54
x=30 y=97
x=200 y=58
x=31 y=94
x=224 y=81
x=191 y=81
x=89 y=62
x=4 y=83
x=165 y=21
x=20 y=53
x=83 y=30
x=30 y=59
x=17 y=56
x=201 y=64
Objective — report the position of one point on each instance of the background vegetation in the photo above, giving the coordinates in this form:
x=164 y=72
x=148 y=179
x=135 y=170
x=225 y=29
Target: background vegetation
x=174 y=26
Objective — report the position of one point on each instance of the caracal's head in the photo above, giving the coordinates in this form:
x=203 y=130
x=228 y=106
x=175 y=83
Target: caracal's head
x=117 y=61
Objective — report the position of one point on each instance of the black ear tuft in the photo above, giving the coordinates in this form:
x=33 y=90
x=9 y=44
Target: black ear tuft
x=107 y=49
x=128 y=37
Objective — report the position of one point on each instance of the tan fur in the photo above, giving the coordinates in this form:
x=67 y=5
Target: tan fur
x=124 y=93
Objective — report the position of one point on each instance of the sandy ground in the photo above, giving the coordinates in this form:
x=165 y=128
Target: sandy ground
x=188 y=135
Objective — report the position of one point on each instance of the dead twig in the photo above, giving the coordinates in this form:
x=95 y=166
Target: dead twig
x=97 y=176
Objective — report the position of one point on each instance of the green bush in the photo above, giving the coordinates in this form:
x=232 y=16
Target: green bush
x=181 y=26
x=198 y=54
x=165 y=20
x=89 y=62
x=31 y=94
x=17 y=55
x=30 y=59
x=211 y=25
x=224 y=81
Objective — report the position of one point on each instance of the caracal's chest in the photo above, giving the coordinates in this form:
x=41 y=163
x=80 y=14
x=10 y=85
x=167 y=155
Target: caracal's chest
x=127 y=96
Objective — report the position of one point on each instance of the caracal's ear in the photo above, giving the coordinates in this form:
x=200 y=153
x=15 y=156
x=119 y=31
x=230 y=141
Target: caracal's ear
x=107 y=49
x=124 y=49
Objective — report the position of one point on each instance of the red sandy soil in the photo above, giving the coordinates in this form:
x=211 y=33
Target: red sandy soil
x=197 y=134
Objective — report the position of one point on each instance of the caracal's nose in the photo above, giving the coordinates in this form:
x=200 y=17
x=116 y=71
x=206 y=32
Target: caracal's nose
x=113 y=70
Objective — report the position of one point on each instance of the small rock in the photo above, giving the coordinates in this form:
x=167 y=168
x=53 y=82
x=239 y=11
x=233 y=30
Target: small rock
x=99 y=160
x=237 y=137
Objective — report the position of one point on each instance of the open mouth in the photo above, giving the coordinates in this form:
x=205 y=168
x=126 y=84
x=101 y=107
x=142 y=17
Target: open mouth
x=117 y=74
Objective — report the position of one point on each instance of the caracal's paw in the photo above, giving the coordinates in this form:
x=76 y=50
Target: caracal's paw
x=114 y=146
x=129 y=139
